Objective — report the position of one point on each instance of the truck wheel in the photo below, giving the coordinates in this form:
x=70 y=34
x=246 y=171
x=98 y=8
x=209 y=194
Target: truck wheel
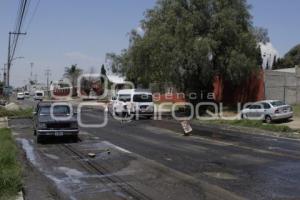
x=39 y=139
x=75 y=138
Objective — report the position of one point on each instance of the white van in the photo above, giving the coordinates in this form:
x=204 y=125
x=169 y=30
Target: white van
x=20 y=96
x=38 y=95
x=133 y=102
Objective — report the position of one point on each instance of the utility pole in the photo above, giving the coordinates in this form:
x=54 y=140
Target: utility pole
x=35 y=79
x=9 y=58
x=48 y=74
x=4 y=74
x=31 y=67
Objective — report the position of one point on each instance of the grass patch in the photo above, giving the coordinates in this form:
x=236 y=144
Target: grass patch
x=296 y=109
x=255 y=124
x=10 y=168
x=16 y=113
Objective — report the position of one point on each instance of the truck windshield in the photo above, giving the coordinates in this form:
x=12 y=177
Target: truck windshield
x=142 y=98
x=57 y=110
x=39 y=94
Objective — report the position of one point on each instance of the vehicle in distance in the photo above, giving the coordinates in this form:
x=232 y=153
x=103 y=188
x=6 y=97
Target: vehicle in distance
x=20 y=96
x=133 y=102
x=54 y=120
x=269 y=110
x=38 y=95
x=26 y=94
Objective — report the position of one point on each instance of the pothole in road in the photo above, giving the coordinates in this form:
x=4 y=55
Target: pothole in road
x=221 y=175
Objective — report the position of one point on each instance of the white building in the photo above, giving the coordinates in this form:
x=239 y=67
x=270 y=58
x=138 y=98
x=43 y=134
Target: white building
x=269 y=54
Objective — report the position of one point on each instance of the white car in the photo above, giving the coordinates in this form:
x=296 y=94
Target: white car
x=38 y=95
x=269 y=110
x=20 y=96
x=133 y=102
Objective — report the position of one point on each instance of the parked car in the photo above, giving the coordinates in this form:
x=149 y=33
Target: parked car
x=61 y=123
x=38 y=95
x=133 y=102
x=269 y=110
x=20 y=96
x=26 y=94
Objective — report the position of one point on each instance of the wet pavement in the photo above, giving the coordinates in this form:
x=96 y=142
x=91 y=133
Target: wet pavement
x=152 y=160
x=114 y=172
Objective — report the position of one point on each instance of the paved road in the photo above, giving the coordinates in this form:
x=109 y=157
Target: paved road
x=152 y=160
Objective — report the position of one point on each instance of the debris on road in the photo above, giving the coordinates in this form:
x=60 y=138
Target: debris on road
x=91 y=155
x=186 y=127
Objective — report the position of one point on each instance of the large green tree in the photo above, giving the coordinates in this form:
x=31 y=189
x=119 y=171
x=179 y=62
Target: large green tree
x=291 y=59
x=189 y=42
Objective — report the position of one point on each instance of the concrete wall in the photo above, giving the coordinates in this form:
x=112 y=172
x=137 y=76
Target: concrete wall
x=283 y=86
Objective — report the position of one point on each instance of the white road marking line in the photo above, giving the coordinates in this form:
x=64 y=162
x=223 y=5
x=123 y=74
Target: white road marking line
x=117 y=147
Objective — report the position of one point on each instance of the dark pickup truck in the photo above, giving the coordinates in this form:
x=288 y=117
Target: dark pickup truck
x=53 y=119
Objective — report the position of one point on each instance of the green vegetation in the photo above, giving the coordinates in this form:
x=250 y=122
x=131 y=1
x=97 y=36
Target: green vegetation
x=188 y=43
x=296 y=109
x=291 y=59
x=10 y=169
x=254 y=124
x=72 y=73
x=16 y=113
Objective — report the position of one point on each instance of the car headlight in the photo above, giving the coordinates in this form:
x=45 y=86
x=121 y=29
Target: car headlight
x=42 y=125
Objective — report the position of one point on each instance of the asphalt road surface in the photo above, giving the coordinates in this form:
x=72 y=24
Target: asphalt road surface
x=150 y=159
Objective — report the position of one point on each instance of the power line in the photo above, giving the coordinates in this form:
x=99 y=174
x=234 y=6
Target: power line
x=18 y=30
x=12 y=42
x=33 y=15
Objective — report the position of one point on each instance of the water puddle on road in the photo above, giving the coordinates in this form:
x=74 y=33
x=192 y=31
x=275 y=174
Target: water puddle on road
x=221 y=175
x=28 y=148
x=53 y=157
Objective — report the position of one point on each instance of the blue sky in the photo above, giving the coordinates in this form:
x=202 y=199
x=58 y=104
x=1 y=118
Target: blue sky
x=65 y=32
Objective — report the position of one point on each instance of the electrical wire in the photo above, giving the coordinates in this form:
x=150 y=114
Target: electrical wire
x=20 y=19
x=33 y=15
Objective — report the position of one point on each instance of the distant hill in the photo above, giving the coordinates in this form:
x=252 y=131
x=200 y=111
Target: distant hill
x=290 y=59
